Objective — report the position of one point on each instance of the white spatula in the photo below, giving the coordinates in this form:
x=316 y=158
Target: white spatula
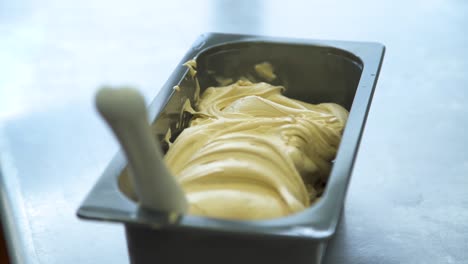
x=125 y=112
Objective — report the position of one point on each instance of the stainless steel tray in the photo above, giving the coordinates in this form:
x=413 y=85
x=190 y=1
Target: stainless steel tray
x=314 y=71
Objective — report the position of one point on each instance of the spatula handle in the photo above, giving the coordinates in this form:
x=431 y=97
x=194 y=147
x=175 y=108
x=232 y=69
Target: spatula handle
x=125 y=111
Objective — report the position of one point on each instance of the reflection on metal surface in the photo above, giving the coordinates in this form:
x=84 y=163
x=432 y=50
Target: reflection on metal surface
x=13 y=217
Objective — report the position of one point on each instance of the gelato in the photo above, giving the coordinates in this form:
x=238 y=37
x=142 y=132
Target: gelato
x=251 y=153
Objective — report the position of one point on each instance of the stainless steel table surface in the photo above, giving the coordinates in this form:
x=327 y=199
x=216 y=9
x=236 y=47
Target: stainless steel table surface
x=408 y=198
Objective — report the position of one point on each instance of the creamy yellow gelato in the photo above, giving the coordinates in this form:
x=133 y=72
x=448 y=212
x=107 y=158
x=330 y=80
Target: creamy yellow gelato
x=252 y=153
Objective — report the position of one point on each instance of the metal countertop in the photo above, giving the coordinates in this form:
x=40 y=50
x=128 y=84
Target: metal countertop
x=408 y=198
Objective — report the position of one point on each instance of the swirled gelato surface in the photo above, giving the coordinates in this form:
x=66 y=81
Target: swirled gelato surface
x=251 y=153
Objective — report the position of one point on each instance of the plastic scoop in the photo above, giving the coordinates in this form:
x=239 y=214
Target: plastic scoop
x=125 y=111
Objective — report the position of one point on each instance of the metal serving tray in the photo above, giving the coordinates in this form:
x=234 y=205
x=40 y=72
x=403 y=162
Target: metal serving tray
x=313 y=71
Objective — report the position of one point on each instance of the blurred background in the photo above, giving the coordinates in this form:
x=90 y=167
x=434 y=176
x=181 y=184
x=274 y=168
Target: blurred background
x=53 y=147
x=64 y=49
